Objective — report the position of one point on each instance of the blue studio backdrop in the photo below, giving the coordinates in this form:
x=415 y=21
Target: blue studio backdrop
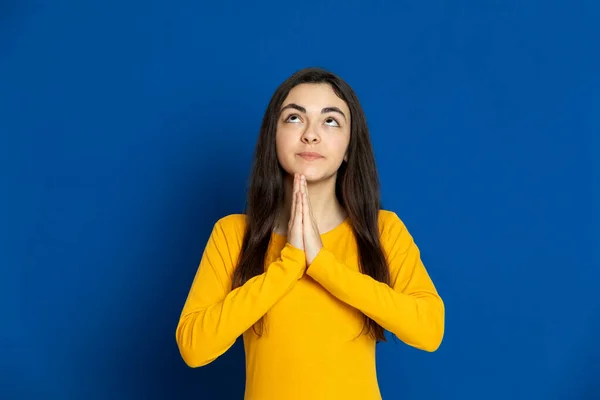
x=127 y=130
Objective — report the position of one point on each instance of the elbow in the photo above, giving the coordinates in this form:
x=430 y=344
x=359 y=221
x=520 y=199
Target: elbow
x=429 y=340
x=428 y=332
x=435 y=330
x=195 y=361
x=193 y=348
x=433 y=341
x=194 y=358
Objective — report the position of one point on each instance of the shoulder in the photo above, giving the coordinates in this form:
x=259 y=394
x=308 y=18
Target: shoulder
x=231 y=222
x=389 y=221
x=230 y=228
x=225 y=242
x=392 y=230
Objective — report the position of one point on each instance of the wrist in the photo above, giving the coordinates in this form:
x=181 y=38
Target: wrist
x=312 y=255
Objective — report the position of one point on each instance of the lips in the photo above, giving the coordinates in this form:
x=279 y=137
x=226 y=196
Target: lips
x=310 y=156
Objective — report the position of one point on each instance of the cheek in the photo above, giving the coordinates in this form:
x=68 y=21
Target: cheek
x=283 y=145
x=340 y=146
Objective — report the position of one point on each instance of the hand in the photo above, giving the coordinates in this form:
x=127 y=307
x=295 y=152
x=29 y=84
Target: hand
x=312 y=238
x=294 y=236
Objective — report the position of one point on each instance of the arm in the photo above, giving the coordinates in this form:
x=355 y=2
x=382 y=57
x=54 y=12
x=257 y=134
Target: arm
x=410 y=307
x=214 y=316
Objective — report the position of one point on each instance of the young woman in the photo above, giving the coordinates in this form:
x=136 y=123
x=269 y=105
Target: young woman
x=315 y=271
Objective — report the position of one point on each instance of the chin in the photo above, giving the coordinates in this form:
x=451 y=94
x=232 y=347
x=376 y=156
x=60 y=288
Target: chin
x=317 y=176
x=310 y=173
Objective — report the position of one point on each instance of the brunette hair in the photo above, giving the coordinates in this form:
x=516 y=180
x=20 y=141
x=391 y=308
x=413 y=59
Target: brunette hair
x=357 y=189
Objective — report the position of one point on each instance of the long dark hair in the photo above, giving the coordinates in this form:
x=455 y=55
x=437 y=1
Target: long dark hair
x=357 y=189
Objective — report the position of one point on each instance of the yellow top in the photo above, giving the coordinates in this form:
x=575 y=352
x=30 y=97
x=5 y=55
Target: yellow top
x=310 y=347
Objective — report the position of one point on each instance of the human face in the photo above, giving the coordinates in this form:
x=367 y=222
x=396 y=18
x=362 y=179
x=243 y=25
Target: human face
x=313 y=120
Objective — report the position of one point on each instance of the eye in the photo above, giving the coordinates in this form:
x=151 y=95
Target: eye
x=330 y=121
x=293 y=118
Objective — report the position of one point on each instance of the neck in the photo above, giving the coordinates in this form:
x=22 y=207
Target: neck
x=326 y=209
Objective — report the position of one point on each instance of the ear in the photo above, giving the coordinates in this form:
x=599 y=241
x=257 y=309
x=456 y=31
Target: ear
x=346 y=157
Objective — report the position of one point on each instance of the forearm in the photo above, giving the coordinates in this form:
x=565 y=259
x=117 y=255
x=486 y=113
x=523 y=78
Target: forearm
x=416 y=318
x=205 y=331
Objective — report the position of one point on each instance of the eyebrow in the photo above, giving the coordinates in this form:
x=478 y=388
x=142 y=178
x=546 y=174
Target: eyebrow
x=323 y=111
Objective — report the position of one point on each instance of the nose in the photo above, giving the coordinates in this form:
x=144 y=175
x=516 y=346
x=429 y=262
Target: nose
x=310 y=136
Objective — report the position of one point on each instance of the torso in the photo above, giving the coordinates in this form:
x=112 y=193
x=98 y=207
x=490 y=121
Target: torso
x=312 y=346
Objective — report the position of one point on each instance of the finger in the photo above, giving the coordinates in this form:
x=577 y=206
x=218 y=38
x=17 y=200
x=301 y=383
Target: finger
x=296 y=183
x=299 y=207
x=305 y=190
x=294 y=198
x=293 y=212
x=306 y=217
x=305 y=202
x=308 y=210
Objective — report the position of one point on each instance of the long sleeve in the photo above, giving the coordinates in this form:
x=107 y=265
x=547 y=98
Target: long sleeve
x=410 y=307
x=214 y=316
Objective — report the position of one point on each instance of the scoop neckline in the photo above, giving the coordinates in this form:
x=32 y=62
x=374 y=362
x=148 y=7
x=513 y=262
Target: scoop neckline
x=336 y=228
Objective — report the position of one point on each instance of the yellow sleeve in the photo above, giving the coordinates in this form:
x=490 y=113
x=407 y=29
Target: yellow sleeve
x=410 y=307
x=214 y=316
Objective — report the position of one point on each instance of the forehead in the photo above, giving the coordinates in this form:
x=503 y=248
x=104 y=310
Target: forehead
x=314 y=97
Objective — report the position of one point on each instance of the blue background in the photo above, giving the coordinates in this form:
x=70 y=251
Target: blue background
x=127 y=130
